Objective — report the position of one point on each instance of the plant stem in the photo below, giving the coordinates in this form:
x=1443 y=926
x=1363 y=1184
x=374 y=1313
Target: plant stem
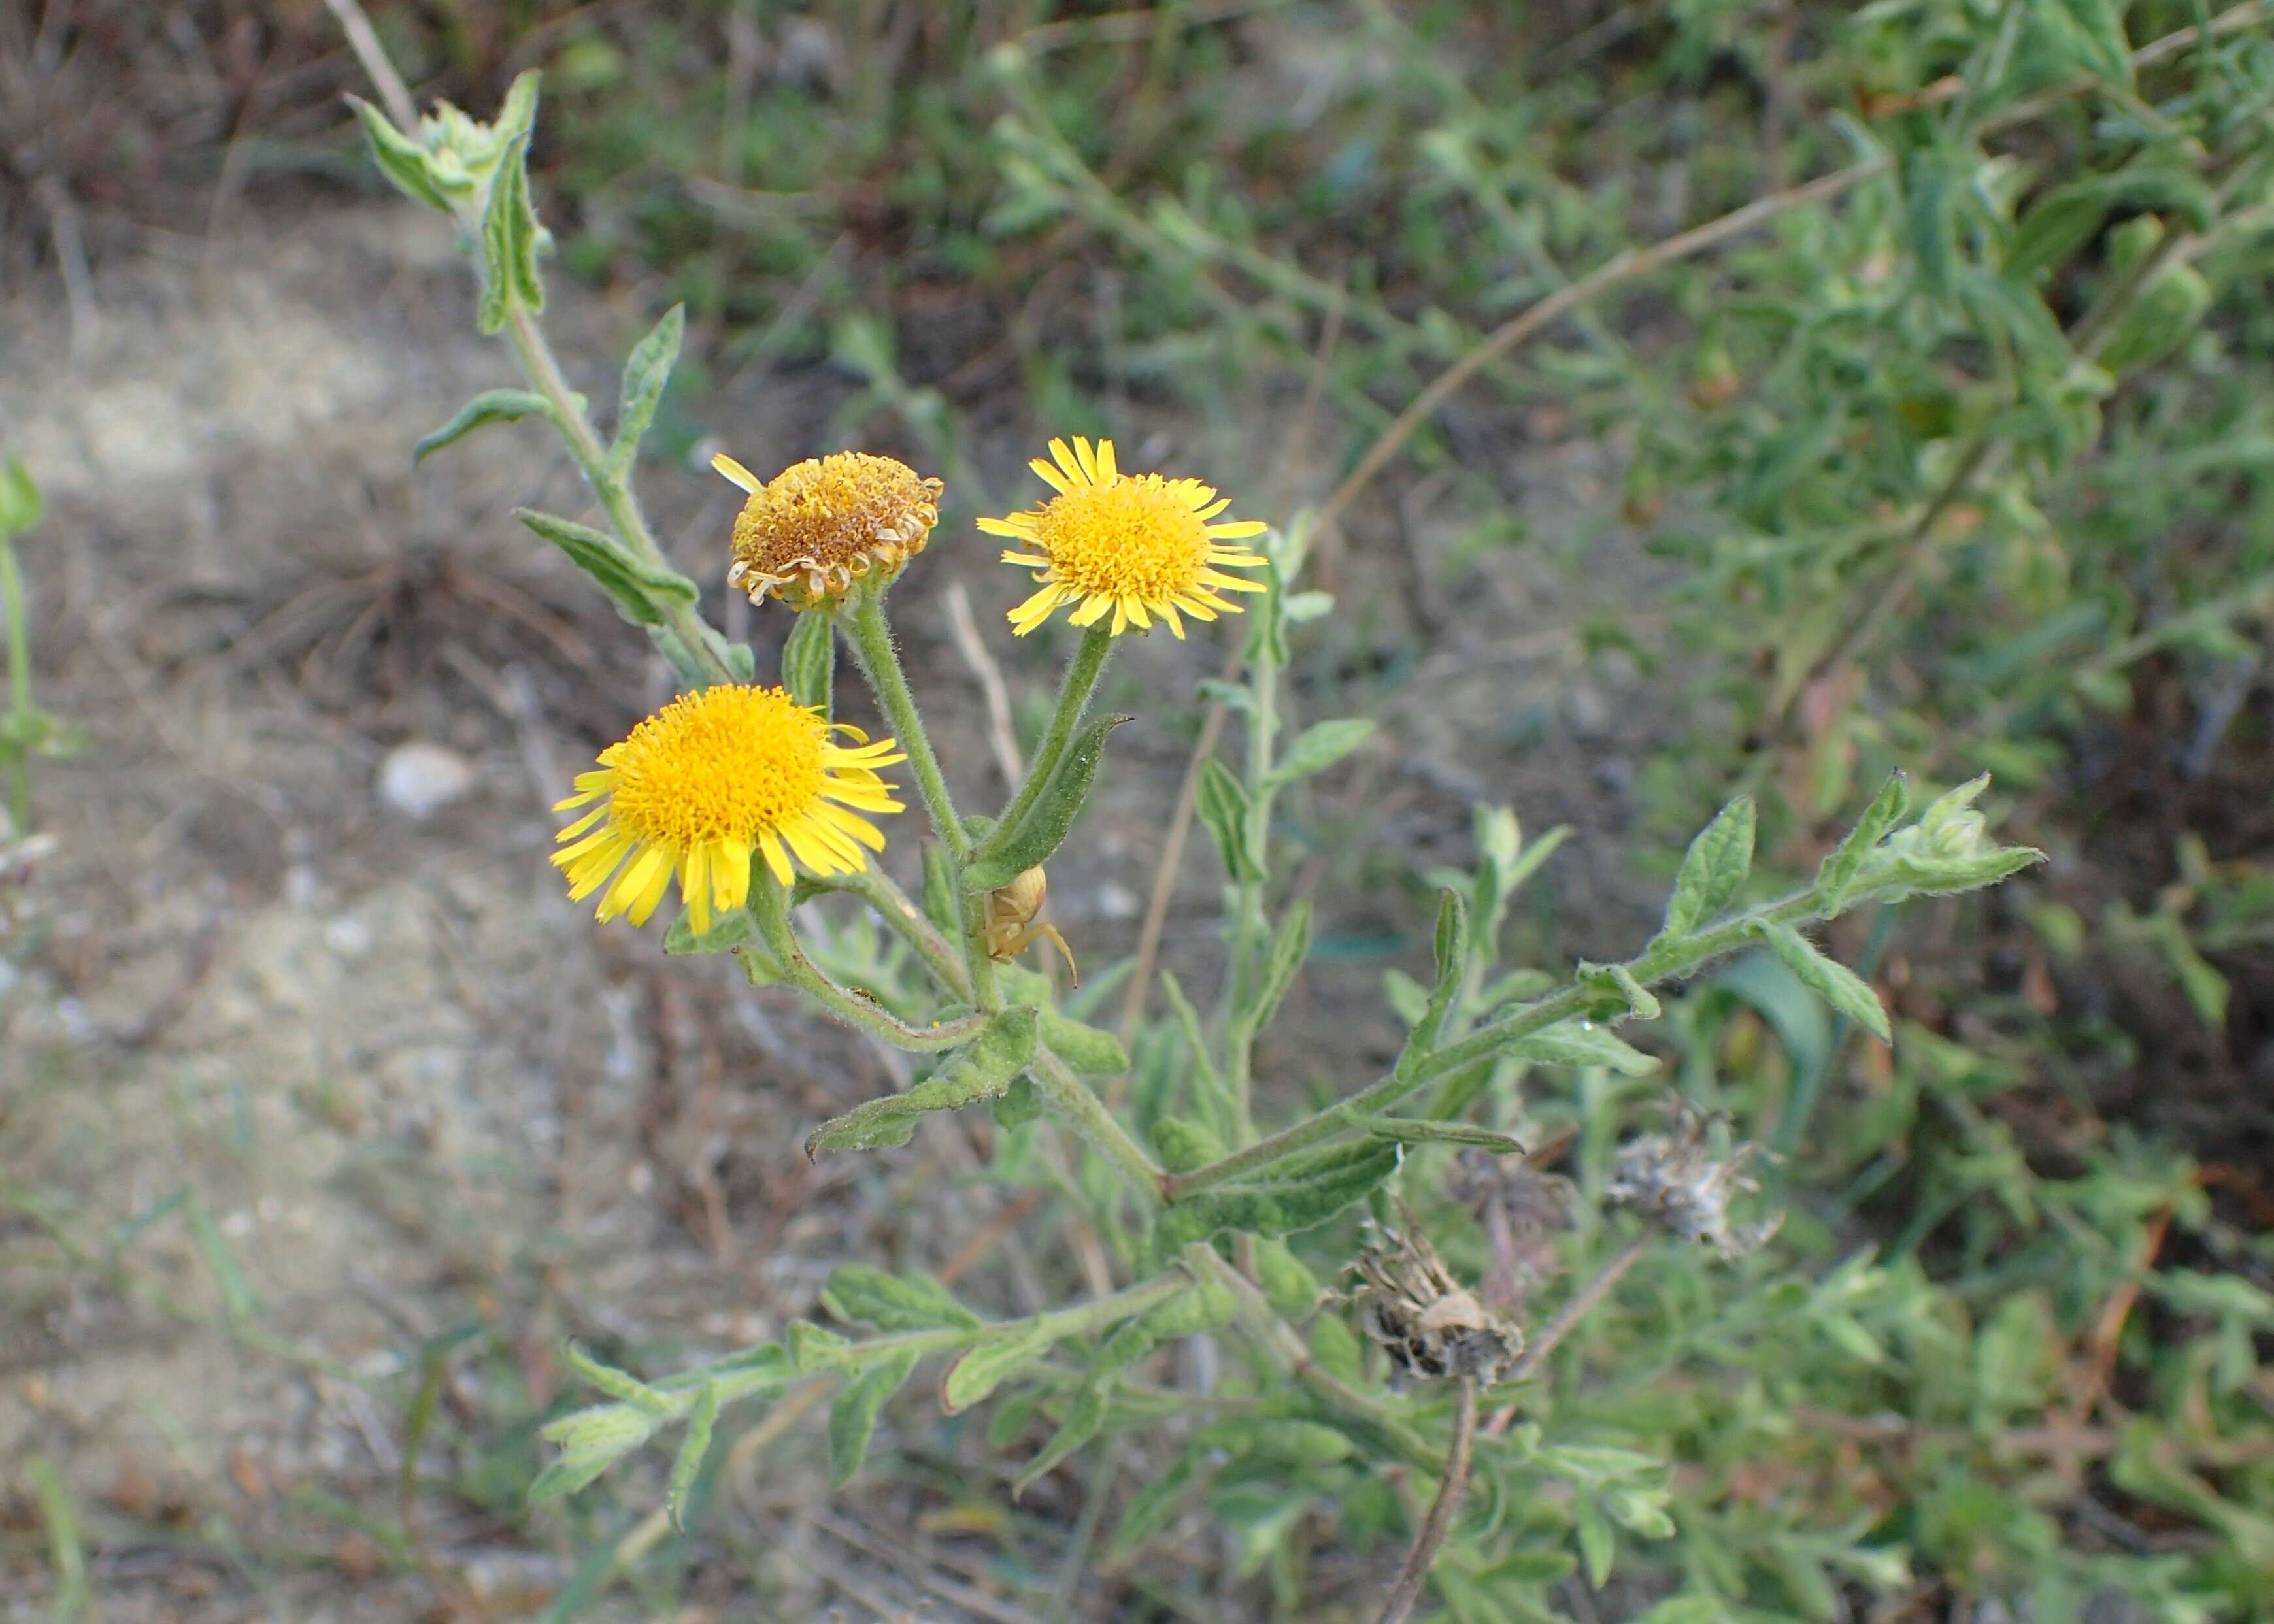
x=527 y=341
x=1413 y=1573
x=872 y=645
x=19 y=688
x=871 y=639
x=1081 y=681
x=771 y=910
x=1663 y=960
x=1088 y=1116
x=1247 y=927
x=899 y=912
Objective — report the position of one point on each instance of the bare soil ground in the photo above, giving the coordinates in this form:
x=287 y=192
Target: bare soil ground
x=295 y=1089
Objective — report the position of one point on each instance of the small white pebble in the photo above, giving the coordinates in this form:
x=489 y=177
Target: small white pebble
x=418 y=779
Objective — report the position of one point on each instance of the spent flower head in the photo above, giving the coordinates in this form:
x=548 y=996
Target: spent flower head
x=812 y=531
x=1433 y=1327
x=1137 y=546
x=707 y=781
x=1673 y=1179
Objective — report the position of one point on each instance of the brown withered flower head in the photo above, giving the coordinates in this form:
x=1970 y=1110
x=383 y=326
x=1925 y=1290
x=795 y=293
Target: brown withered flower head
x=1673 y=1179
x=808 y=533
x=1433 y=1328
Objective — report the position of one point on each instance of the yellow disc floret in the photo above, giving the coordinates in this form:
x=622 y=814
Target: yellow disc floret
x=1136 y=547
x=808 y=533
x=708 y=781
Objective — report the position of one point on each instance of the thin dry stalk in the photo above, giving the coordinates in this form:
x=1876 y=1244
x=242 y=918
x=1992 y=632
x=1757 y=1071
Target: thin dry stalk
x=393 y=92
x=1413 y=1573
x=1567 y=1321
x=964 y=629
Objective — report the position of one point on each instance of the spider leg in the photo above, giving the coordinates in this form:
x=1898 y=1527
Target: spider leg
x=1073 y=970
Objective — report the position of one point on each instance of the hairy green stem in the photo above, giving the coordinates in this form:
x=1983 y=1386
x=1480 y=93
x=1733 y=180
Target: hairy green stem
x=1081 y=674
x=1250 y=940
x=872 y=646
x=1663 y=960
x=19 y=686
x=771 y=910
x=899 y=912
x=871 y=638
x=1087 y=1115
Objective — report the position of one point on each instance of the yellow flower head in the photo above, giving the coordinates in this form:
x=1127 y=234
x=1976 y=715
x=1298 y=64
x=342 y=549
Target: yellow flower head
x=1135 y=546
x=813 y=530
x=707 y=781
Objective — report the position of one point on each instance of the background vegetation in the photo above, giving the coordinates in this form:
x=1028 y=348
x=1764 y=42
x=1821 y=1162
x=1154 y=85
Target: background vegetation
x=1947 y=452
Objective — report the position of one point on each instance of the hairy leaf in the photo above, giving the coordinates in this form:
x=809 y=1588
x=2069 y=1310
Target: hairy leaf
x=1830 y=979
x=853 y=1413
x=980 y=1069
x=1009 y=852
x=490 y=406
x=1713 y=868
x=646 y=374
x=860 y=1295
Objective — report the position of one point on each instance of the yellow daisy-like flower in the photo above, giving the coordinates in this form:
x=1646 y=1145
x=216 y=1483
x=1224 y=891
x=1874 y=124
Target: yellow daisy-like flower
x=816 y=527
x=1135 y=545
x=711 y=778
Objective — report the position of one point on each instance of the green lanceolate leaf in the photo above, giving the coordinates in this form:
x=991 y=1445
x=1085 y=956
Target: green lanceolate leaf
x=1713 y=868
x=1009 y=853
x=640 y=591
x=1221 y=804
x=1580 y=1043
x=616 y=1384
x=2096 y=34
x=727 y=932
x=1841 y=864
x=980 y=1069
x=591 y=1441
x=1085 y=1418
x=2068 y=216
x=984 y=1367
x=1932 y=185
x=1297 y=1195
x=1291 y=944
x=809 y=668
x=1452 y=950
x=400 y=158
x=1419 y=1130
x=1210 y=1097
x=853 y=1413
x=510 y=238
x=646 y=375
x=863 y=1296
x=1830 y=979
x=692 y=1450
x=1088 y=1050
x=20 y=500
x=2159 y=321
x=1320 y=745
x=490 y=406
